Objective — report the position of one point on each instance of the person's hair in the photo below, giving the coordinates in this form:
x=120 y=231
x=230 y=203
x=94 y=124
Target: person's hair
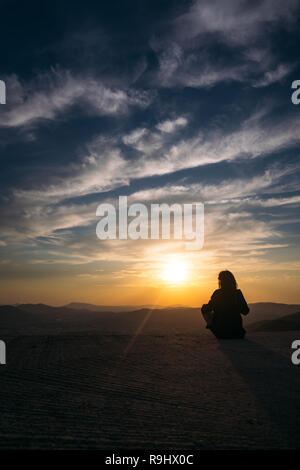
x=227 y=280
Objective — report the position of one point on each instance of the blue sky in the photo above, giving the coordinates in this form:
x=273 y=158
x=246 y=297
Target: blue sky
x=186 y=101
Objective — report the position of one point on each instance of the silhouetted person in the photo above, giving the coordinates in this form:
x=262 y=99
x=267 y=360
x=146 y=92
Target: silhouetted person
x=223 y=312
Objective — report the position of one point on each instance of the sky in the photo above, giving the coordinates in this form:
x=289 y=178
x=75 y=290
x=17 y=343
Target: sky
x=163 y=102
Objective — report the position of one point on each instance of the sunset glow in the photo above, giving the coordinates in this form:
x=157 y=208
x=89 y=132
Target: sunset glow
x=162 y=153
x=175 y=272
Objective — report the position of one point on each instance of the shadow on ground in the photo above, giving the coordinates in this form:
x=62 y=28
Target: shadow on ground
x=273 y=380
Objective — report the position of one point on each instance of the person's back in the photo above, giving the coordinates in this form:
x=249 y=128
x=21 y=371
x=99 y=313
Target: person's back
x=223 y=312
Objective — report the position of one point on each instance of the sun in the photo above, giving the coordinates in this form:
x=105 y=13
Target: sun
x=174 y=272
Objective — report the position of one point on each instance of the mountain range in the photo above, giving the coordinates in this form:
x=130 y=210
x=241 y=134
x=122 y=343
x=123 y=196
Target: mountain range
x=41 y=318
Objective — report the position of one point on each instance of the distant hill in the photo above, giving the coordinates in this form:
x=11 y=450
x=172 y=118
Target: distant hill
x=286 y=323
x=54 y=311
x=268 y=311
x=107 y=308
x=258 y=311
x=31 y=318
x=10 y=315
x=41 y=318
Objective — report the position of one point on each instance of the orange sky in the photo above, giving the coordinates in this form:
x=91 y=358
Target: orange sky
x=151 y=285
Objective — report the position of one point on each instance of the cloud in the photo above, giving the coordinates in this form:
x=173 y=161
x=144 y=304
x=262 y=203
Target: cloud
x=273 y=202
x=273 y=76
x=235 y=21
x=135 y=136
x=234 y=231
x=246 y=190
x=106 y=166
x=193 y=67
x=242 y=30
x=170 y=125
x=51 y=94
x=30 y=217
x=242 y=168
x=144 y=140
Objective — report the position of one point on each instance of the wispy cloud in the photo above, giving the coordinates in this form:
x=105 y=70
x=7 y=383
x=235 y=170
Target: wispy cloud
x=186 y=53
x=170 y=125
x=106 y=166
x=53 y=93
x=237 y=22
x=273 y=76
x=140 y=113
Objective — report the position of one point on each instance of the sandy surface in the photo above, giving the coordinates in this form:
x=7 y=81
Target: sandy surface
x=89 y=390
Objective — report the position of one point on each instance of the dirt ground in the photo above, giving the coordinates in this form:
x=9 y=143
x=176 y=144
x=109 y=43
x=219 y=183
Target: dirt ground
x=93 y=391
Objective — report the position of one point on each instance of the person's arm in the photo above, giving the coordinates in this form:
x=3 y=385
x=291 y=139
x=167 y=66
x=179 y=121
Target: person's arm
x=244 y=309
x=207 y=308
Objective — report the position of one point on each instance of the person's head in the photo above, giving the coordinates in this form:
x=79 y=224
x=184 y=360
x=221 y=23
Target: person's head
x=227 y=280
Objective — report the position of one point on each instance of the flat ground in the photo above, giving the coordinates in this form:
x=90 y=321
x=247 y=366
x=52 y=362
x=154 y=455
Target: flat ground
x=93 y=391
